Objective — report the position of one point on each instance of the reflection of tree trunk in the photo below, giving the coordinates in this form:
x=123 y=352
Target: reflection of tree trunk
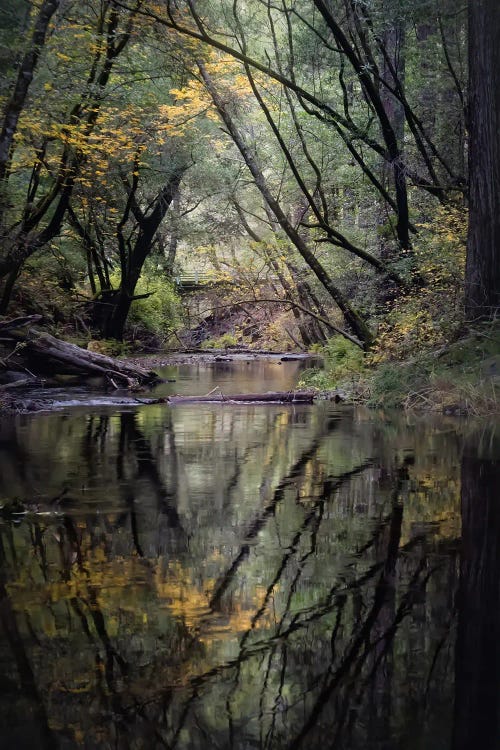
x=477 y=670
x=382 y=661
x=148 y=468
x=352 y=661
x=258 y=523
x=43 y=736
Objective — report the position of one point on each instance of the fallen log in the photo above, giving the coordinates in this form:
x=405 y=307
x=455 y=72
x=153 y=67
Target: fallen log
x=17 y=384
x=9 y=325
x=41 y=355
x=275 y=397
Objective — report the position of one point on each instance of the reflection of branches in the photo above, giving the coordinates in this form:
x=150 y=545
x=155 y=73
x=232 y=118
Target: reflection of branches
x=350 y=701
x=240 y=462
x=37 y=543
x=315 y=514
x=334 y=599
x=258 y=524
x=279 y=705
x=330 y=485
x=363 y=641
x=363 y=635
x=226 y=579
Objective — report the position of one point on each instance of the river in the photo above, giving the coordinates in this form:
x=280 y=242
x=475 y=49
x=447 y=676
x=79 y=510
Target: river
x=248 y=576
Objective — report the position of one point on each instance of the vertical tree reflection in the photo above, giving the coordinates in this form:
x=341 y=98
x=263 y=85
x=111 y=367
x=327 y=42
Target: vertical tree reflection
x=35 y=730
x=477 y=682
x=250 y=581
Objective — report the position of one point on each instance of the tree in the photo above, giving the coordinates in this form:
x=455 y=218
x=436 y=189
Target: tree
x=52 y=152
x=482 y=278
x=477 y=654
x=26 y=71
x=351 y=48
x=346 y=119
x=351 y=315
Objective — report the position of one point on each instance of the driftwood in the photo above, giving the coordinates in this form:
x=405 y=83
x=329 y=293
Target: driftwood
x=40 y=355
x=18 y=384
x=275 y=397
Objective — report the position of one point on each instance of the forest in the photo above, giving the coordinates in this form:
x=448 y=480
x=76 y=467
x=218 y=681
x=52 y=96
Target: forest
x=249 y=374
x=304 y=175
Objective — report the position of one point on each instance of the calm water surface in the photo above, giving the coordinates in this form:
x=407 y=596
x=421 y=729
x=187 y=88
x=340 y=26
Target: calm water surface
x=236 y=577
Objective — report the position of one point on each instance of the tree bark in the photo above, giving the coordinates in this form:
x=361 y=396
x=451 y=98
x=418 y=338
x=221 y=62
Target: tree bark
x=41 y=354
x=121 y=301
x=482 y=277
x=281 y=397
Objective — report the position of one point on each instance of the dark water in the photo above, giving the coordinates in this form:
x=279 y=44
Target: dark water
x=209 y=576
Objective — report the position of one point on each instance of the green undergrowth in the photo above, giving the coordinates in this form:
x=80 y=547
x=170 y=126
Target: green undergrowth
x=344 y=366
x=461 y=378
x=221 y=342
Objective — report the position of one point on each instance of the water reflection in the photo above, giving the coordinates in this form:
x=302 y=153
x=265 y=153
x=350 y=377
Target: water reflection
x=259 y=576
x=237 y=374
x=477 y=700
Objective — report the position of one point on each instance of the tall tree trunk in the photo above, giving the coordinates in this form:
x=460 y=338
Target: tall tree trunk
x=174 y=235
x=392 y=72
x=482 y=276
x=372 y=94
x=122 y=300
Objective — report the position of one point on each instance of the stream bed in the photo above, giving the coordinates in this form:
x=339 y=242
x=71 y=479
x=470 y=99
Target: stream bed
x=247 y=576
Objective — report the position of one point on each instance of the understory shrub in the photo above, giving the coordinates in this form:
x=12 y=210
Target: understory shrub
x=430 y=313
x=344 y=364
x=221 y=342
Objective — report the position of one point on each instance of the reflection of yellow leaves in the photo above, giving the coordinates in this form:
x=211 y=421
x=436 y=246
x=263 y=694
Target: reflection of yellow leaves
x=184 y=599
x=188 y=602
x=443 y=513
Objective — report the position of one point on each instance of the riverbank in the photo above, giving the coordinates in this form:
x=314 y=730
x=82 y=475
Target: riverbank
x=256 y=372
x=461 y=378
x=201 y=356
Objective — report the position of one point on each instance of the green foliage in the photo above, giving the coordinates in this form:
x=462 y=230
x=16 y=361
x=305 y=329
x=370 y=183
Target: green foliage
x=344 y=363
x=390 y=384
x=48 y=283
x=109 y=347
x=343 y=358
x=461 y=378
x=428 y=315
x=159 y=313
x=222 y=342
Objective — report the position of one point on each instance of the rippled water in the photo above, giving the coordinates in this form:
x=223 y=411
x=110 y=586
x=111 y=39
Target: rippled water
x=248 y=576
